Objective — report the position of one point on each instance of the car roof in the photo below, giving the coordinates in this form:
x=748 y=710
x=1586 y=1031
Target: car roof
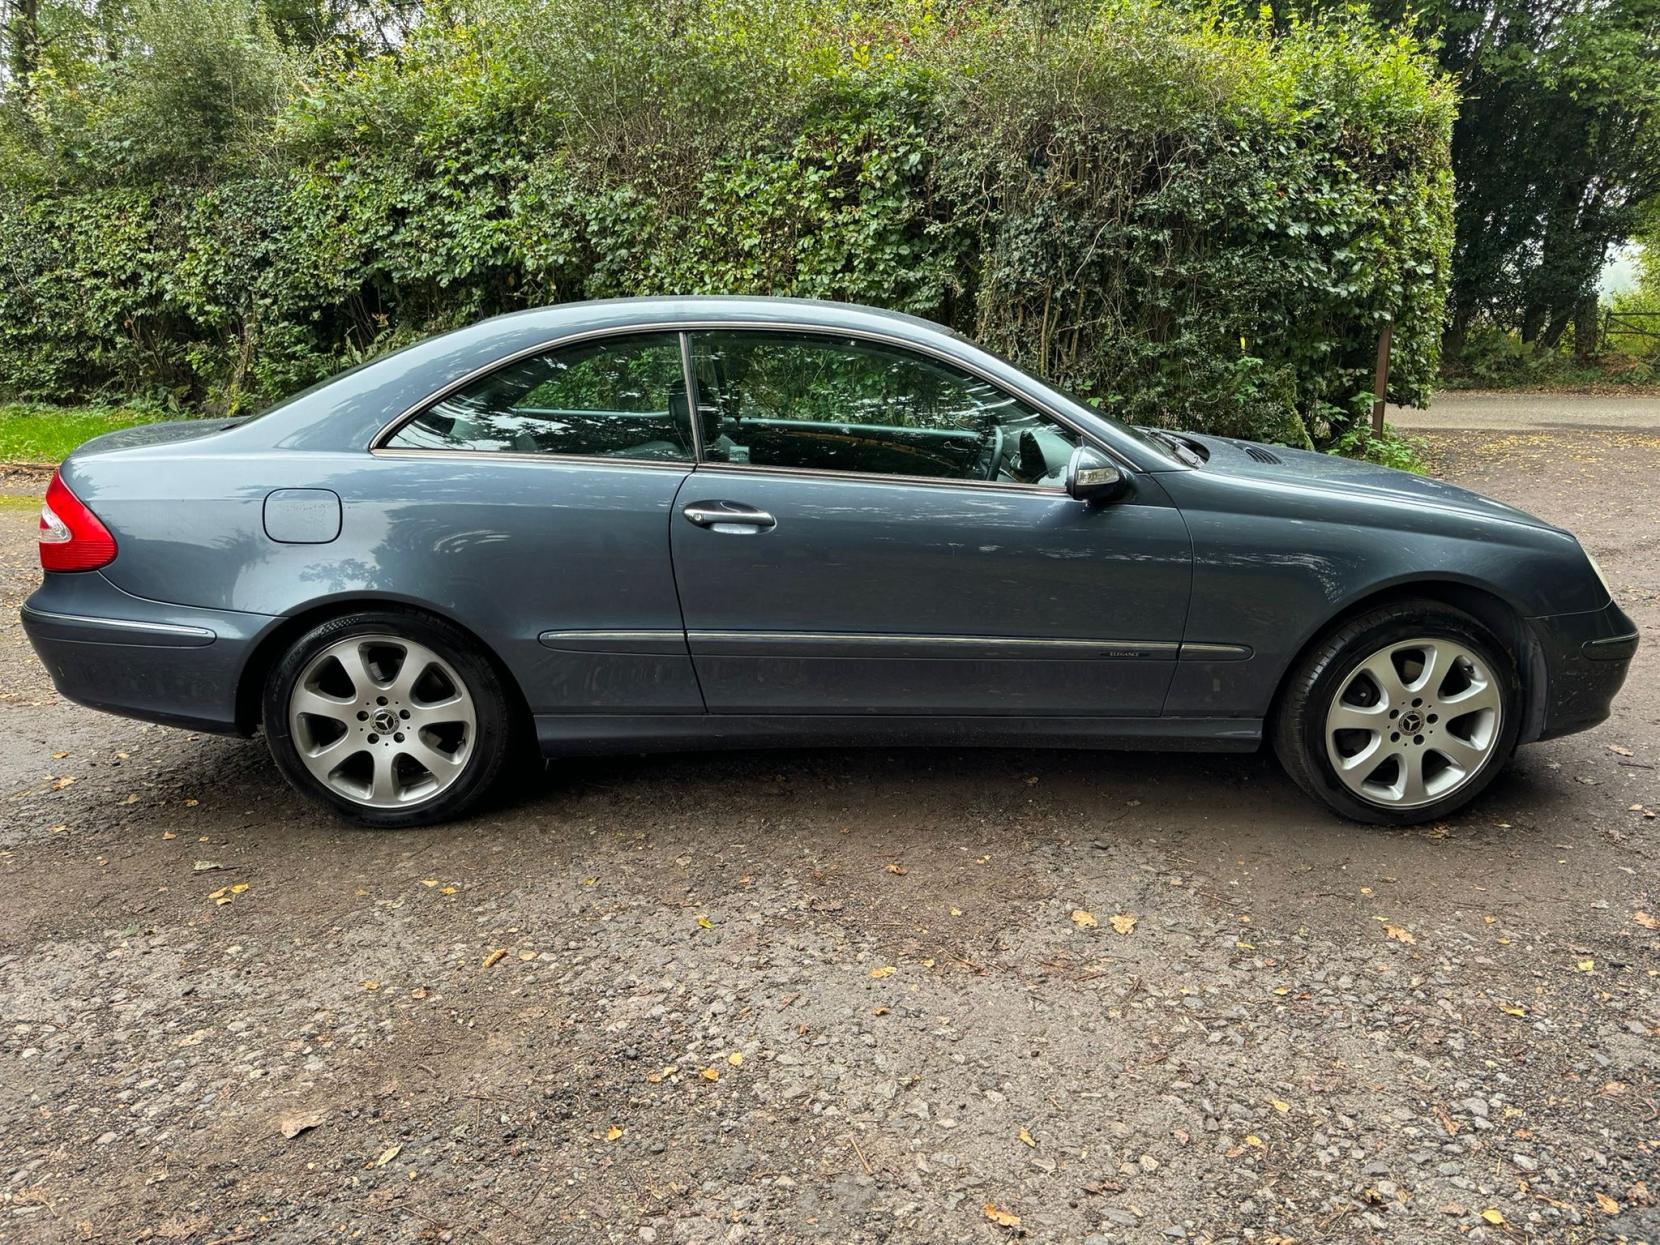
x=346 y=412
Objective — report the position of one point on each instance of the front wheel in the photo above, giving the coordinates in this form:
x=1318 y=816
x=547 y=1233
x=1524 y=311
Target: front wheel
x=1400 y=715
x=395 y=719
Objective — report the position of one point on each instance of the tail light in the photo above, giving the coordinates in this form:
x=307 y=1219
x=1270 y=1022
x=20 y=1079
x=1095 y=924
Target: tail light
x=72 y=538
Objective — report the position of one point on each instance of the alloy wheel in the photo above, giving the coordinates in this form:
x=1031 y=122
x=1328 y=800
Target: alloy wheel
x=1414 y=722
x=383 y=721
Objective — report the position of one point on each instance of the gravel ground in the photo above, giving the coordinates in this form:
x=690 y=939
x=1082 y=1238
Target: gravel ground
x=847 y=997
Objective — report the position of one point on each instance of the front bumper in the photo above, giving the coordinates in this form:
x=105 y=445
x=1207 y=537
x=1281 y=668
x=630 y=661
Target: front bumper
x=109 y=650
x=1585 y=659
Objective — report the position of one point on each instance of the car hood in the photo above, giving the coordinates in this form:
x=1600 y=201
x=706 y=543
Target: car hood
x=1348 y=476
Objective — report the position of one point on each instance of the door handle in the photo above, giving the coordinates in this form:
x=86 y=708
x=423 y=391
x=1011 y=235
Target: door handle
x=729 y=517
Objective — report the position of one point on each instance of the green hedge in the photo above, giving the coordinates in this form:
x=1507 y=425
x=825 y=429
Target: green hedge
x=1189 y=218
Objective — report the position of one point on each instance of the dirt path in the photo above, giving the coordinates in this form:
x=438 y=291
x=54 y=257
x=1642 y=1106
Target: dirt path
x=839 y=997
x=1511 y=411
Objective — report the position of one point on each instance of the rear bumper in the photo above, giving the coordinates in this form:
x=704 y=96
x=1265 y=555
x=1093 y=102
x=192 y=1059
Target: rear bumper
x=109 y=650
x=1586 y=657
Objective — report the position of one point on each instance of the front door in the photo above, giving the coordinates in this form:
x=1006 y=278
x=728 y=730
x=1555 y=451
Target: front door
x=874 y=530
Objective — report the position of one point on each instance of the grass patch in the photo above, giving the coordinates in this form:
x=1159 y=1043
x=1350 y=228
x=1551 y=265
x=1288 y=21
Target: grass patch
x=35 y=433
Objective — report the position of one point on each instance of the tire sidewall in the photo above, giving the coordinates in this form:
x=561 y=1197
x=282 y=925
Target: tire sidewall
x=1445 y=624
x=490 y=704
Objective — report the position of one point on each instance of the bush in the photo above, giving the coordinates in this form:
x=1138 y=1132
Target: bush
x=1189 y=218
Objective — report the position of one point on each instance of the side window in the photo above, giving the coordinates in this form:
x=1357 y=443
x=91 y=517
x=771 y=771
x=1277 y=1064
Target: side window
x=613 y=397
x=832 y=403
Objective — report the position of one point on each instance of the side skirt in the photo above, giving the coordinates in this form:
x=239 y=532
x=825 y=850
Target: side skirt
x=596 y=734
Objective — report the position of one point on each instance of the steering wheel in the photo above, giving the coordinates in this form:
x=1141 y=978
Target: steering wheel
x=995 y=435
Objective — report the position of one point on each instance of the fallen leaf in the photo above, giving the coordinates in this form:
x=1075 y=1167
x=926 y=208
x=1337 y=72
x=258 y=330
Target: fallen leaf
x=371 y=985
x=897 y=868
x=1026 y=1137
x=956 y=912
x=1493 y=1217
x=1001 y=1217
x=710 y=1074
x=612 y=1133
x=1512 y=1009
x=387 y=1155
x=493 y=957
x=1124 y=923
x=879 y=1011
x=1398 y=933
x=705 y=923
x=1084 y=920
x=291 y=1126
x=1616 y=749
x=206 y=866
x=168 y=834
x=1280 y=1105
x=131 y=799
x=61 y=783
x=735 y=1058
x=1251 y=1139
x=58 y=756
x=1586 y=966
x=1645 y=920
x=661 y=1075
x=1606 y=1204
x=429 y=882
x=526 y=957
x=238 y=888
x=60 y=828
x=887 y=970
x=448 y=890
x=191 y=803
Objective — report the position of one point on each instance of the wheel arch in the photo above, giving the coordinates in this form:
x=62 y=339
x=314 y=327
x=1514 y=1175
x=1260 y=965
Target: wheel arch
x=1499 y=616
x=270 y=646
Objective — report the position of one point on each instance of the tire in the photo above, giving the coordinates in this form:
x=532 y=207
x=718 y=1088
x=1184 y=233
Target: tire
x=394 y=719
x=1380 y=731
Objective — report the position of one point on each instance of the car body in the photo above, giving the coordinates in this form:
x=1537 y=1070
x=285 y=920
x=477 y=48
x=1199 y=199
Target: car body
x=927 y=572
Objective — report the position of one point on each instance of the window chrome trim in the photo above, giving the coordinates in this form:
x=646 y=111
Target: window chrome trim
x=684 y=328
x=518 y=456
x=862 y=477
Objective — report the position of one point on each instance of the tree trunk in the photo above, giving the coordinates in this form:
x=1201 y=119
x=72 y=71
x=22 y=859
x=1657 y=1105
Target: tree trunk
x=25 y=39
x=1585 y=328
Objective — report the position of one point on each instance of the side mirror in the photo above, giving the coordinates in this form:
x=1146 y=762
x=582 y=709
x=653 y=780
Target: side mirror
x=1091 y=478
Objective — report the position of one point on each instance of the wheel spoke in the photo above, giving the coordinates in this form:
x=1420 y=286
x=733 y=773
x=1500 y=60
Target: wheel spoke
x=1411 y=783
x=436 y=763
x=1347 y=717
x=1477 y=696
x=324 y=760
x=1383 y=672
x=1465 y=754
x=416 y=662
x=350 y=657
x=1435 y=669
x=384 y=789
x=442 y=712
x=318 y=705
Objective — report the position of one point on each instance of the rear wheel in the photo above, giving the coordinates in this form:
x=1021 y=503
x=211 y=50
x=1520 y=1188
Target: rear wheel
x=395 y=719
x=1401 y=715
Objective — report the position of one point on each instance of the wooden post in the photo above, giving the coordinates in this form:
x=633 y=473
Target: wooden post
x=1380 y=379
